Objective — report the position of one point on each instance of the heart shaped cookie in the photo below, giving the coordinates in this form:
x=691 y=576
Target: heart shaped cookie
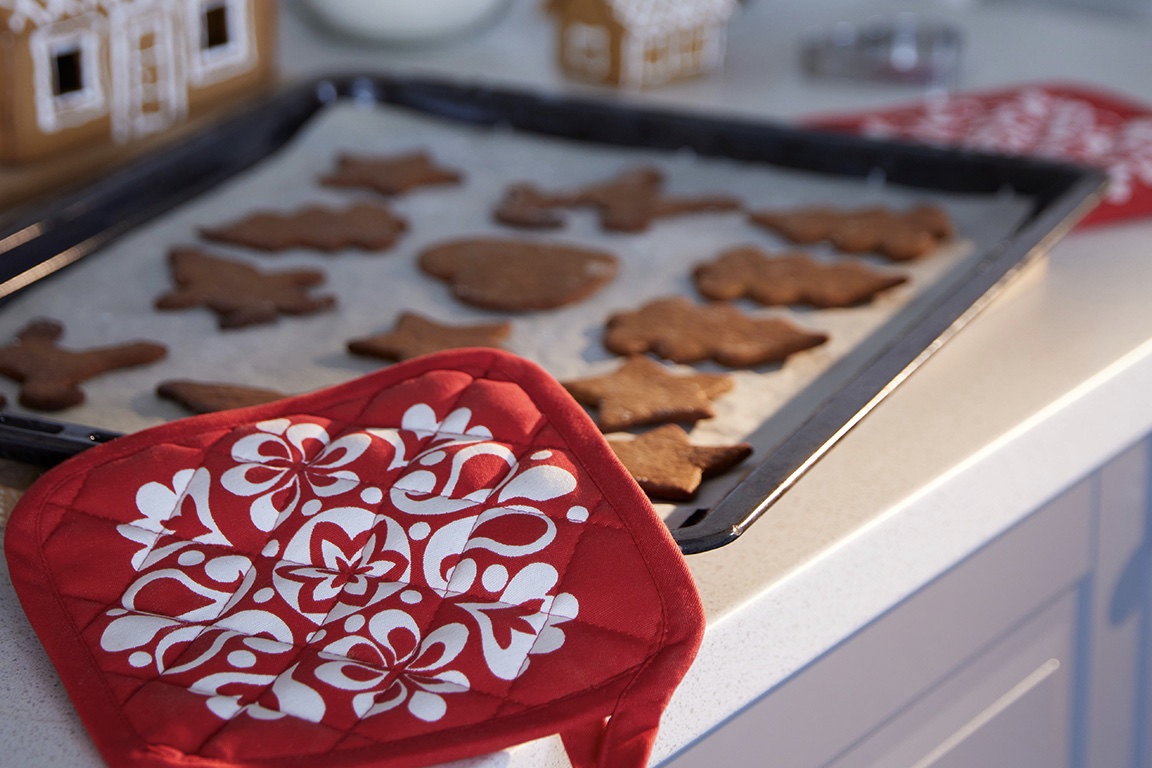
x=518 y=275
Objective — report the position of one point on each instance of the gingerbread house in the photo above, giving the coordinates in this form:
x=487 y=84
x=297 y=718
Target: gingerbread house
x=84 y=71
x=640 y=43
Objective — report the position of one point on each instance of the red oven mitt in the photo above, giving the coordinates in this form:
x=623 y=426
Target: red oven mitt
x=1055 y=121
x=438 y=560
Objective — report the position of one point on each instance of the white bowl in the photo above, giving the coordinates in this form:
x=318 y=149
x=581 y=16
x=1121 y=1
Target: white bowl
x=404 y=21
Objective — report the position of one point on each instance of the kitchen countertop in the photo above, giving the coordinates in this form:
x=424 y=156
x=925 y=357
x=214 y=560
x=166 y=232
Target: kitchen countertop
x=1044 y=386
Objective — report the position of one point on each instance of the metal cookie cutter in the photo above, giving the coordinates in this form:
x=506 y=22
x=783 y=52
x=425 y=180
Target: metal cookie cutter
x=902 y=48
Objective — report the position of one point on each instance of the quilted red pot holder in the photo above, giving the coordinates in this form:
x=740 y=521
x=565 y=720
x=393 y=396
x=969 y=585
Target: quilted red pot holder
x=438 y=560
x=1056 y=121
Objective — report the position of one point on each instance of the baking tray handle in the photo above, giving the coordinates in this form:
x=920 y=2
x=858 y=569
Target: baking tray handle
x=43 y=442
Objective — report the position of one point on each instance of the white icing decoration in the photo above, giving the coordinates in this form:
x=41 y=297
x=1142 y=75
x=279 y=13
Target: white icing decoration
x=138 y=60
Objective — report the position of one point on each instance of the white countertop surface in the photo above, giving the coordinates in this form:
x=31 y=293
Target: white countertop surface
x=1044 y=386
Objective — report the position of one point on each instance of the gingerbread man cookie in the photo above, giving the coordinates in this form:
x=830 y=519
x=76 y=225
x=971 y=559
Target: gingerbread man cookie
x=51 y=376
x=240 y=295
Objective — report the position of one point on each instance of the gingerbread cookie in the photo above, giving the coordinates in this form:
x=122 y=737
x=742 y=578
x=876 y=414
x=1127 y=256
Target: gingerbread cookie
x=642 y=391
x=518 y=275
x=210 y=397
x=51 y=376
x=389 y=174
x=790 y=278
x=240 y=295
x=901 y=236
x=415 y=335
x=528 y=207
x=369 y=227
x=666 y=465
x=684 y=332
x=628 y=202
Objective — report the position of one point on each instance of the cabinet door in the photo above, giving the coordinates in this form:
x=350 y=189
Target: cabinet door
x=900 y=688
x=1015 y=732
x=1010 y=707
x=1119 y=701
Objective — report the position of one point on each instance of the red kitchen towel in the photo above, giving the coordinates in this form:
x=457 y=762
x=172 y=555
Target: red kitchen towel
x=438 y=560
x=1056 y=121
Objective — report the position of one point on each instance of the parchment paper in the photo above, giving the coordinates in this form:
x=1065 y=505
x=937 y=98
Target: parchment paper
x=108 y=297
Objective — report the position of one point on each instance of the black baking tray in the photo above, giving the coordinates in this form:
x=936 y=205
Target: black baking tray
x=36 y=242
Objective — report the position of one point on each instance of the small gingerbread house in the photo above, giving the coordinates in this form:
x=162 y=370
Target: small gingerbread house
x=83 y=71
x=641 y=43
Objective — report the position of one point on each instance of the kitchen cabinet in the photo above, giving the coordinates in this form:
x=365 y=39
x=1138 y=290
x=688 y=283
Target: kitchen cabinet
x=1033 y=651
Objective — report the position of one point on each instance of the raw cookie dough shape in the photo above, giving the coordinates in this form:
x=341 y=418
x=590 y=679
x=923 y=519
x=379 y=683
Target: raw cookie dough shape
x=415 y=335
x=642 y=391
x=666 y=465
x=365 y=226
x=50 y=376
x=240 y=295
x=389 y=174
x=790 y=278
x=684 y=332
x=518 y=275
x=627 y=202
x=901 y=236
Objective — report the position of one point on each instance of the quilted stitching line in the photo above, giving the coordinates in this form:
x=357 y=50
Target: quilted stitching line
x=523 y=448
x=504 y=700
x=391 y=674
x=61 y=609
x=67 y=616
x=645 y=558
x=529 y=710
x=300 y=650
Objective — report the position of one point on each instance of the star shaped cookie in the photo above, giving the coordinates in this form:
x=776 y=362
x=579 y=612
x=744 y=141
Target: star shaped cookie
x=899 y=235
x=368 y=227
x=51 y=376
x=389 y=174
x=790 y=278
x=415 y=335
x=678 y=330
x=642 y=391
x=240 y=295
x=627 y=202
x=666 y=465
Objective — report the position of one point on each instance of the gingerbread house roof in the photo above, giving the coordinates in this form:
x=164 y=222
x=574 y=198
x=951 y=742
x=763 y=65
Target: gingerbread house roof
x=21 y=14
x=676 y=13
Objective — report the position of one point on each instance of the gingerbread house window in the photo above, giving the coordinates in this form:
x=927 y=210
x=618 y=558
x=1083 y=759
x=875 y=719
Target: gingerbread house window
x=220 y=39
x=67 y=74
x=215 y=31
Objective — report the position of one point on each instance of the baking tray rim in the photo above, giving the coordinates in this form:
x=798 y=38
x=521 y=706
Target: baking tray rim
x=38 y=241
